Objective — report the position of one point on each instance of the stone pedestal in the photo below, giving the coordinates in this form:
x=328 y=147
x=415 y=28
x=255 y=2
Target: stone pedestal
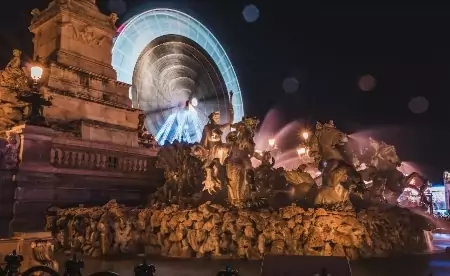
x=59 y=170
x=7 y=188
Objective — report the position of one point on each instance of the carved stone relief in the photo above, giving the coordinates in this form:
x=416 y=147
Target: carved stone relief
x=85 y=34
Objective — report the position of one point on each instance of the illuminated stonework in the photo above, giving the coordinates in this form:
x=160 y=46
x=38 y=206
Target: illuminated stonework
x=170 y=58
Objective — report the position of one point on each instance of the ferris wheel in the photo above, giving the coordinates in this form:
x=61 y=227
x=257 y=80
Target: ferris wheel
x=179 y=73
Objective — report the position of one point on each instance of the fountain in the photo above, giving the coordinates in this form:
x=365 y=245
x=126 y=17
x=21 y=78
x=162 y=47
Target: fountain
x=214 y=203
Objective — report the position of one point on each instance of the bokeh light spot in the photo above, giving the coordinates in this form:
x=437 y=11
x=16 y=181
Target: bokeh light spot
x=117 y=6
x=418 y=105
x=250 y=13
x=367 y=83
x=290 y=85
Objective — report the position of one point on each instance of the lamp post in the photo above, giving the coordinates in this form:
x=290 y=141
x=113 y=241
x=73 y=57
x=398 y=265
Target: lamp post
x=272 y=143
x=303 y=150
x=35 y=99
x=305 y=135
x=273 y=148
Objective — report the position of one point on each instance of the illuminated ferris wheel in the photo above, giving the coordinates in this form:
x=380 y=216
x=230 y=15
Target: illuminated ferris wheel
x=179 y=73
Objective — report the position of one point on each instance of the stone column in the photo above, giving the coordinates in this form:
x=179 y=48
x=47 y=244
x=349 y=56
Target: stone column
x=7 y=187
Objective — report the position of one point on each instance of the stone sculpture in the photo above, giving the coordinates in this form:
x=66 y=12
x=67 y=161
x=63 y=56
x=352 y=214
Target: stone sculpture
x=183 y=173
x=238 y=162
x=303 y=185
x=383 y=161
x=10 y=114
x=42 y=254
x=14 y=76
x=210 y=230
x=10 y=151
x=212 y=142
x=344 y=170
x=113 y=19
x=189 y=217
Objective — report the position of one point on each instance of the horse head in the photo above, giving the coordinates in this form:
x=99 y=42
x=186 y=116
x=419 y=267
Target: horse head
x=324 y=141
x=387 y=156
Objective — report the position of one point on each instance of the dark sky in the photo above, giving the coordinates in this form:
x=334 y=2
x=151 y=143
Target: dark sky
x=327 y=48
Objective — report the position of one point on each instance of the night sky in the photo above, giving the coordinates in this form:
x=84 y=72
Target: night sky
x=327 y=49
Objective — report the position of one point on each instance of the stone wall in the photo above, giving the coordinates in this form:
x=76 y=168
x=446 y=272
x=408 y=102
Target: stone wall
x=214 y=231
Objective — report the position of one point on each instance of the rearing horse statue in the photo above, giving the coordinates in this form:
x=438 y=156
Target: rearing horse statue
x=386 y=161
x=326 y=147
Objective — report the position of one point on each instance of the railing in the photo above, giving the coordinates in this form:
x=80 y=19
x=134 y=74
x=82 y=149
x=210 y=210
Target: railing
x=84 y=159
x=74 y=266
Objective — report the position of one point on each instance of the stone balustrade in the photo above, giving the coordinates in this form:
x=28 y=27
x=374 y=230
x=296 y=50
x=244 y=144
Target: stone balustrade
x=84 y=158
x=57 y=168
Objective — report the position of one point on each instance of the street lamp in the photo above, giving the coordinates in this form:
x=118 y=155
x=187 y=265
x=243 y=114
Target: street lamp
x=272 y=143
x=305 y=135
x=301 y=151
x=34 y=98
x=36 y=73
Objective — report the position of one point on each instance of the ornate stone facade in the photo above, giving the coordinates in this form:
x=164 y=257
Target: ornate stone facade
x=90 y=148
x=73 y=41
x=214 y=231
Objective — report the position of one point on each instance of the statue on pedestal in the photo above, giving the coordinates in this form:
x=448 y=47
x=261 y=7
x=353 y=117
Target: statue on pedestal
x=14 y=75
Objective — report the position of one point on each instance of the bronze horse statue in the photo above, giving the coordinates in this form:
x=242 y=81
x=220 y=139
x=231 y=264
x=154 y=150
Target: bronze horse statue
x=386 y=162
x=327 y=147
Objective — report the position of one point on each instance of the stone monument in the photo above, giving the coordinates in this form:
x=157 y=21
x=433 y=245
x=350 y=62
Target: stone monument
x=90 y=145
x=214 y=204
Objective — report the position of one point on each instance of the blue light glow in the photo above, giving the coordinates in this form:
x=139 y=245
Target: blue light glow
x=136 y=33
x=179 y=125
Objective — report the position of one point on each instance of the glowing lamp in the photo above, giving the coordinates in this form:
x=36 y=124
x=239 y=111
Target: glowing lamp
x=194 y=102
x=271 y=142
x=301 y=151
x=36 y=73
x=305 y=135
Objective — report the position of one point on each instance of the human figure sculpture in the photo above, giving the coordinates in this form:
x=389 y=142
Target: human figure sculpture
x=264 y=172
x=301 y=181
x=238 y=163
x=212 y=133
x=334 y=192
x=216 y=150
x=13 y=75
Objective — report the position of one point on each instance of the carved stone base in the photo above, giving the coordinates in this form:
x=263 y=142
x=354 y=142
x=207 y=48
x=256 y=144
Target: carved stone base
x=212 y=230
x=35 y=247
x=66 y=171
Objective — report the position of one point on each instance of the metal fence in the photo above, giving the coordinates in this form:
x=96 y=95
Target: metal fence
x=74 y=266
